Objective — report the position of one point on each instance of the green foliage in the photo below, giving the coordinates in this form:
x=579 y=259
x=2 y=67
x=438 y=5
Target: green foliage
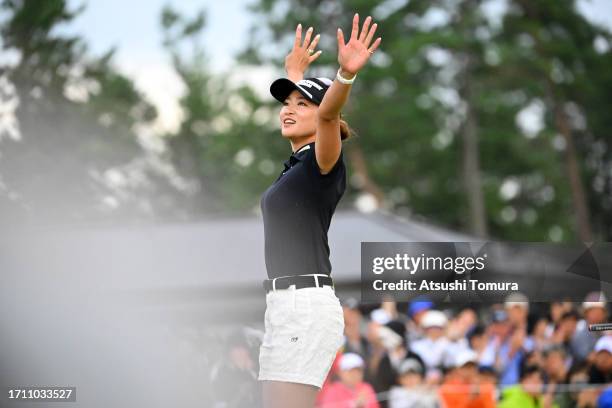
x=76 y=118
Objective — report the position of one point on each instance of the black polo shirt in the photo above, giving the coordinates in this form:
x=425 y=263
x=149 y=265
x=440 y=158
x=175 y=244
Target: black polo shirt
x=297 y=210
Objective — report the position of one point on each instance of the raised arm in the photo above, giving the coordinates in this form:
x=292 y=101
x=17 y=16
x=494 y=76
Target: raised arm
x=351 y=57
x=302 y=54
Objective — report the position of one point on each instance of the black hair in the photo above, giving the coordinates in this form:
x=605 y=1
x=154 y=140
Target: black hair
x=528 y=369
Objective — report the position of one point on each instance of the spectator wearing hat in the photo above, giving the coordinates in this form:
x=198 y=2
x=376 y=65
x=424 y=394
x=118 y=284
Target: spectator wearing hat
x=462 y=387
x=529 y=393
x=416 y=310
x=351 y=391
x=594 y=309
x=517 y=307
x=412 y=391
x=434 y=346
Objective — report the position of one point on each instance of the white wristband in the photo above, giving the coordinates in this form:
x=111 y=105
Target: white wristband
x=343 y=80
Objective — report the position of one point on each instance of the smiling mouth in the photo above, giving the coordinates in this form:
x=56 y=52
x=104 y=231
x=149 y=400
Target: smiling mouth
x=288 y=122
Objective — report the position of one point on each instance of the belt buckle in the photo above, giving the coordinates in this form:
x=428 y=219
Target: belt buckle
x=274 y=284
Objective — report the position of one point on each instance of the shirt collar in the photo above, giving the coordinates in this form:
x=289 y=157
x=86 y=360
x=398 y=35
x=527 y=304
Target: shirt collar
x=302 y=149
x=297 y=155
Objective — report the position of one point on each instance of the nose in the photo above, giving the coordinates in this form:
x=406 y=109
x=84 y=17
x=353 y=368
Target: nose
x=286 y=110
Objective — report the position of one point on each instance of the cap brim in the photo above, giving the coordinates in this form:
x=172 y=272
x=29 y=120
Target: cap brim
x=282 y=87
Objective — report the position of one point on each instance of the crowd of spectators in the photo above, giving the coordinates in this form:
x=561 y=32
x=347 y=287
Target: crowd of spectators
x=510 y=355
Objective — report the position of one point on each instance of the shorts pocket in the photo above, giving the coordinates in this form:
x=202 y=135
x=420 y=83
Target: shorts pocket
x=279 y=313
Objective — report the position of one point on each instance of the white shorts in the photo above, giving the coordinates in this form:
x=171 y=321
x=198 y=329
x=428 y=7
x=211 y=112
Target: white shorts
x=304 y=329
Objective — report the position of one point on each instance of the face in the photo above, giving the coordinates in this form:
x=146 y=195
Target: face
x=555 y=363
x=595 y=315
x=351 y=377
x=603 y=361
x=434 y=333
x=532 y=384
x=568 y=326
x=298 y=116
x=488 y=378
x=539 y=330
x=556 y=310
x=478 y=342
x=501 y=329
x=469 y=372
x=517 y=315
x=410 y=379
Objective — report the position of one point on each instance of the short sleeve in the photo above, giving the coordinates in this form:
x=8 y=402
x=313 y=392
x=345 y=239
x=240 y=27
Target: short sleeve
x=333 y=173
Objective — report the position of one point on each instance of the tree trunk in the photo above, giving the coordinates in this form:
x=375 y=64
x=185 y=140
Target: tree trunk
x=470 y=160
x=581 y=211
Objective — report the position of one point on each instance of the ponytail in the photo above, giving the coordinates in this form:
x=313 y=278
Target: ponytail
x=345 y=131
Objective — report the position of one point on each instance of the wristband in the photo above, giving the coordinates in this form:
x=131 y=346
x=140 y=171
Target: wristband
x=343 y=80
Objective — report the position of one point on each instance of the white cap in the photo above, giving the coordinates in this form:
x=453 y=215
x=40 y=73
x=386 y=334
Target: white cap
x=433 y=318
x=410 y=365
x=349 y=361
x=466 y=356
x=604 y=344
x=380 y=316
x=594 y=299
x=516 y=299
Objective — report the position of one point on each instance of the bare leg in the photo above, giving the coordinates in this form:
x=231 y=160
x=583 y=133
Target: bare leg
x=281 y=394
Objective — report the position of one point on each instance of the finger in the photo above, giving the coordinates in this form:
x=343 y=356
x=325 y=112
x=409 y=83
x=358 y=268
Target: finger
x=340 y=39
x=298 y=36
x=375 y=45
x=315 y=56
x=307 y=38
x=355 y=26
x=368 y=39
x=364 y=29
x=314 y=42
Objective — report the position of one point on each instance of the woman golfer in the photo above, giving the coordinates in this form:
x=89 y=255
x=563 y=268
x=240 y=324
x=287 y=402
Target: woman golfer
x=304 y=324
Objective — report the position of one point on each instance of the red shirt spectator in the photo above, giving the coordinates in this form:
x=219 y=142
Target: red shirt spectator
x=351 y=391
x=342 y=396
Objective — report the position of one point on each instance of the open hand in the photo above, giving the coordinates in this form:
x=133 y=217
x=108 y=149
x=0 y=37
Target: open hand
x=302 y=54
x=354 y=55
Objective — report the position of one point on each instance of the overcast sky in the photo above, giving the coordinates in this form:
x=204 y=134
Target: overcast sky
x=133 y=27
